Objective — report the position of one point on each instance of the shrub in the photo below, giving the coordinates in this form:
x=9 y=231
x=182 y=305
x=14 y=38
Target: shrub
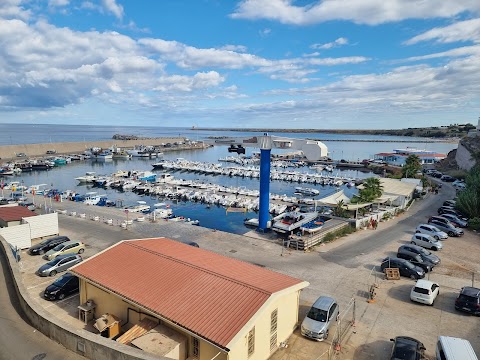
x=474 y=223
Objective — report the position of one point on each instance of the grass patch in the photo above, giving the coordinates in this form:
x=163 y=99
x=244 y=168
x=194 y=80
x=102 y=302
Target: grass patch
x=346 y=230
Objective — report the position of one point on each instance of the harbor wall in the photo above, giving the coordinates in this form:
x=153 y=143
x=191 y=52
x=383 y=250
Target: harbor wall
x=32 y=150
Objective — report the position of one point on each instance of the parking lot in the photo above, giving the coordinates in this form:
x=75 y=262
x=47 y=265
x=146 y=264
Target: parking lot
x=330 y=269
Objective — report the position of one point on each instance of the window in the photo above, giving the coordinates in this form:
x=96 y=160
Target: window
x=273 y=341
x=251 y=342
x=332 y=310
x=196 y=347
x=273 y=321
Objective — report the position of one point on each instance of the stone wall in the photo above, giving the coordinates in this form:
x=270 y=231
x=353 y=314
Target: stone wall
x=32 y=150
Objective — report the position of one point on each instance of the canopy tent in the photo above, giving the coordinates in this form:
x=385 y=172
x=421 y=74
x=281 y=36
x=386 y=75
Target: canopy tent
x=333 y=199
x=385 y=199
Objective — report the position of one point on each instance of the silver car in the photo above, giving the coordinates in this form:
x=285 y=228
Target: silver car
x=59 y=264
x=320 y=318
x=426 y=241
x=432 y=231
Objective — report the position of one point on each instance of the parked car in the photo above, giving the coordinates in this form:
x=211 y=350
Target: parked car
x=432 y=231
x=459 y=185
x=30 y=206
x=455 y=220
x=51 y=152
x=405 y=267
x=468 y=300
x=44 y=246
x=59 y=264
x=425 y=254
x=425 y=292
x=416 y=260
x=436 y=174
x=21 y=155
x=450 y=210
x=407 y=348
x=66 y=284
x=426 y=241
x=320 y=317
x=449 y=228
x=451 y=203
x=439 y=219
x=448 y=178
x=68 y=247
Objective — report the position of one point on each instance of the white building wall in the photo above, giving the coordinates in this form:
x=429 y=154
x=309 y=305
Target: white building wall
x=17 y=236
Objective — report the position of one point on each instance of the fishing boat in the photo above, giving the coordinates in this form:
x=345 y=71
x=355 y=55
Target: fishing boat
x=92 y=198
x=145 y=176
x=306 y=191
x=121 y=155
x=140 y=207
x=291 y=221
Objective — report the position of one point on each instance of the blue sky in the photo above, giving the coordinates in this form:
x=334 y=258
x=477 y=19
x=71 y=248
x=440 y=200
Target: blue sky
x=331 y=64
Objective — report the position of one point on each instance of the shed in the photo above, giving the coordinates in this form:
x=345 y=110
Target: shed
x=13 y=215
x=225 y=308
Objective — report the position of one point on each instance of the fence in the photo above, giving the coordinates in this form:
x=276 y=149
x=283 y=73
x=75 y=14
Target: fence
x=345 y=322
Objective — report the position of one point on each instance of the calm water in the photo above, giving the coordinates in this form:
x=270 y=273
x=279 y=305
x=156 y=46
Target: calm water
x=63 y=178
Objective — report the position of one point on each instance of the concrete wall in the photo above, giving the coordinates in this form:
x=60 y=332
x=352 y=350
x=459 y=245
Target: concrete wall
x=93 y=346
x=287 y=319
x=10 y=151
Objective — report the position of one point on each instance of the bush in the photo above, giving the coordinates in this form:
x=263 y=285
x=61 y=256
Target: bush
x=474 y=223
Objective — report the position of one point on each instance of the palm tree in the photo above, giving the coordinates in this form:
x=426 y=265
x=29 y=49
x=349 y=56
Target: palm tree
x=412 y=165
x=372 y=188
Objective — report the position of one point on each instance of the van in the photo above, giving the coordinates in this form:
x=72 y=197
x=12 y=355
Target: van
x=451 y=348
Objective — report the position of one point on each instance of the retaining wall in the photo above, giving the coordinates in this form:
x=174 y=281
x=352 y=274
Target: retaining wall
x=11 y=151
x=90 y=345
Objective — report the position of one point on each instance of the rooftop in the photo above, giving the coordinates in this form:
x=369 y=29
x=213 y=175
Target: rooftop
x=15 y=213
x=208 y=294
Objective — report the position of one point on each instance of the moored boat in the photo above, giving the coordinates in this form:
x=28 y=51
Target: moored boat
x=290 y=221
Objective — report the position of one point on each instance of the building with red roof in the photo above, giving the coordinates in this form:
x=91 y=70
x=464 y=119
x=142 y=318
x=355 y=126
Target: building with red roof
x=224 y=308
x=399 y=156
x=13 y=215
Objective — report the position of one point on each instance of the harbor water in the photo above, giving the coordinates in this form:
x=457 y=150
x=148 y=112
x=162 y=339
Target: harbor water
x=210 y=216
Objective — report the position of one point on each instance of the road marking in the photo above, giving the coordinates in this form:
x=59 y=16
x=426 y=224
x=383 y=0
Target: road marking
x=43 y=283
x=60 y=301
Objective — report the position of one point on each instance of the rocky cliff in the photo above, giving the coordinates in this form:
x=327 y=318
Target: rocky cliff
x=467 y=152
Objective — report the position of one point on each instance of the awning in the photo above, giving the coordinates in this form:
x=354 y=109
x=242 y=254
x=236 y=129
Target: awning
x=385 y=198
x=334 y=199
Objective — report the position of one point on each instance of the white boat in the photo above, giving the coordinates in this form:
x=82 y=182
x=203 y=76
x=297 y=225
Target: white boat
x=290 y=221
x=306 y=191
x=140 y=207
x=254 y=222
x=145 y=175
x=92 y=198
x=37 y=189
x=161 y=210
x=89 y=177
x=117 y=155
x=164 y=178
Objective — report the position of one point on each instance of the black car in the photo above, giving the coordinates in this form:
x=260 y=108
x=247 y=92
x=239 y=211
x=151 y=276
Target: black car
x=450 y=210
x=66 y=284
x=45 y=245
x=405 y=267
x=468 y=300
x=424 y=253
x=416 y=260
x=448 y=178
x=407 y=348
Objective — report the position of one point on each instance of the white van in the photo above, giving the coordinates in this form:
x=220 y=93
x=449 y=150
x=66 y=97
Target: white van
x=450 y=348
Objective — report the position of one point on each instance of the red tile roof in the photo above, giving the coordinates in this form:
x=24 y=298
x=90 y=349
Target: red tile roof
x=206 y=293
x=15 y=213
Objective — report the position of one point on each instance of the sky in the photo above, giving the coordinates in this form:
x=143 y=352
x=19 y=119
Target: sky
x=330 y=64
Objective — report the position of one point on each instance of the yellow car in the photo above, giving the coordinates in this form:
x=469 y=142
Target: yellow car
x=68 y=247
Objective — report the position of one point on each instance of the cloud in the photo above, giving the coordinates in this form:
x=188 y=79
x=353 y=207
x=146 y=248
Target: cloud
x=457 y=52
x=468 y=30
x=58 y=3
x=112 y=7
x=11 y=9
x=339 y=42
x=371 y=12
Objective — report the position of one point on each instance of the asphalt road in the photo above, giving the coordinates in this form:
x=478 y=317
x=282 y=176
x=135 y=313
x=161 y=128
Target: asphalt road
x=347 y=254
x=19 y=340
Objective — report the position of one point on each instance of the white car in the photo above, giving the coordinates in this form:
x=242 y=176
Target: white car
x=425 y=292
x=426 y=241
x=431 y=230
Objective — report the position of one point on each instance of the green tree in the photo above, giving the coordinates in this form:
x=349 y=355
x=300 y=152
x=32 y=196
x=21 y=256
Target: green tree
x=412 y=165
x=468 y=200
x=372 y=189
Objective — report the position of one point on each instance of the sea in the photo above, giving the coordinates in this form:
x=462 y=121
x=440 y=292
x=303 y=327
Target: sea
x=340 y=146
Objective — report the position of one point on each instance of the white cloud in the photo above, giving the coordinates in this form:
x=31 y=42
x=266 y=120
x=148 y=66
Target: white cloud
x=237 y=48
x=58 y=3
x=370 y=12
x=338 y=42
x=114 y=8
x=12 y=9
x=468 y=30
x=457 y=52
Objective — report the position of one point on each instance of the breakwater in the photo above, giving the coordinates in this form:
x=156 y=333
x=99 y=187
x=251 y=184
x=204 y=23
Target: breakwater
x=31 y=150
